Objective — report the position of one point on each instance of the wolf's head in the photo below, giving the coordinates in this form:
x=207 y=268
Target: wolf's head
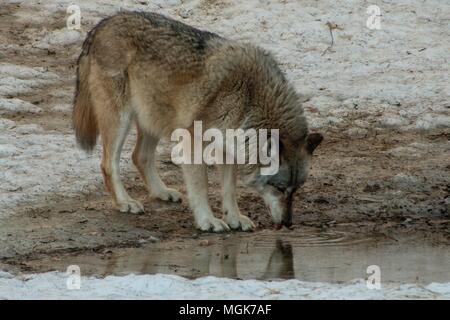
x=278 y=189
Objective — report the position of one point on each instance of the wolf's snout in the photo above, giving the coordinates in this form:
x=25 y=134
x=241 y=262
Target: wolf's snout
x=280 y=208
x=286 y=222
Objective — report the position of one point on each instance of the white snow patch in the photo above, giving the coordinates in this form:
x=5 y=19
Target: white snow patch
x=37 y=164
x=430 y=121
x=63 y=108
x=393 y=121
x=6 y=124
x=7 y=150
x=161 y=3
x=14 y=105
x=29 y=128
x=23 y=72
x=57 y=38
x=16 y=79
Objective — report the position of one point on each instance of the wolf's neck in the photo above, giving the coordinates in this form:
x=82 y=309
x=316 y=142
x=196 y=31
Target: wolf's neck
x=258 y=94
x=276 y=105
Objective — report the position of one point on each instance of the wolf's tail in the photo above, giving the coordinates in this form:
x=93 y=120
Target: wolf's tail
x=83 y=116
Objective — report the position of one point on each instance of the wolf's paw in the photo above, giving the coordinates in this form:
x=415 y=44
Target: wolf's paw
x=240 y=221
x=130 y=205
x=213 y=224
x=168 y=194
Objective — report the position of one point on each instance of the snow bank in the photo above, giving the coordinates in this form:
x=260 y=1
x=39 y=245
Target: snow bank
x=35 y=164
x=14 y=105
x=57 y=38
x=395 y=77
x=54 y=286
x=16 y=79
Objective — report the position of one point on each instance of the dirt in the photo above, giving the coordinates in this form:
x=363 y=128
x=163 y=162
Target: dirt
x=354 y=188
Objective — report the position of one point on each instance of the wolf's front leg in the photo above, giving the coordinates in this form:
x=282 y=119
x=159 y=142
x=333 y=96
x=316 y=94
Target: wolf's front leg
x=233 y=217
x=196 y=180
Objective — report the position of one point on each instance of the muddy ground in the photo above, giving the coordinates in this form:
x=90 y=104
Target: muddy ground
x=382 y=184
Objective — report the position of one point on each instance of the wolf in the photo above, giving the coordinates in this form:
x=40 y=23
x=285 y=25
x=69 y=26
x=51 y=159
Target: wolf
x=161 y=74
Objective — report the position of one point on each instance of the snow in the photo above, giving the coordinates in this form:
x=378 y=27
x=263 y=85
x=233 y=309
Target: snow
x=53 y=285
x=429 y=122
x=7 y=150
x=14 y=105
x=397 y=77
x=39 y=163
x=23 y=72
x=63 y=108
x=401 y=70
x=16 y=79
x=61 y=37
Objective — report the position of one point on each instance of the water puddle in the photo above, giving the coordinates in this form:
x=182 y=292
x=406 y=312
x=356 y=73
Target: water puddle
x=326 y=257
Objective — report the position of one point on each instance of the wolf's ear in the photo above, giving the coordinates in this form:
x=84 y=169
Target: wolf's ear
x=312 y=141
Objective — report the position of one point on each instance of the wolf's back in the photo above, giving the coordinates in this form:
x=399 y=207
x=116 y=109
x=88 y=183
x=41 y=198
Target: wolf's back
x=117 y=41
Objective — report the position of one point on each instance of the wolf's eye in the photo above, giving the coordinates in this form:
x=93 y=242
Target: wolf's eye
x=280 y=188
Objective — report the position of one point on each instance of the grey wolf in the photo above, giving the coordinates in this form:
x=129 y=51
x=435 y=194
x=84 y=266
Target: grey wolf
x=161 y=74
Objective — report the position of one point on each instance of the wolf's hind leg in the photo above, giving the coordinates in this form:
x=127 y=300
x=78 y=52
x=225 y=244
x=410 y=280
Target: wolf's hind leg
x=114 y=130
x=233 y=216
x=196 y=179
x=144 y=159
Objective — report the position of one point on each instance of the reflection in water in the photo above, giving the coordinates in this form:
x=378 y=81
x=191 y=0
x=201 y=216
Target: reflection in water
x=279 y=265
x=325 y=257
x=281 y=262
x=275 y=262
